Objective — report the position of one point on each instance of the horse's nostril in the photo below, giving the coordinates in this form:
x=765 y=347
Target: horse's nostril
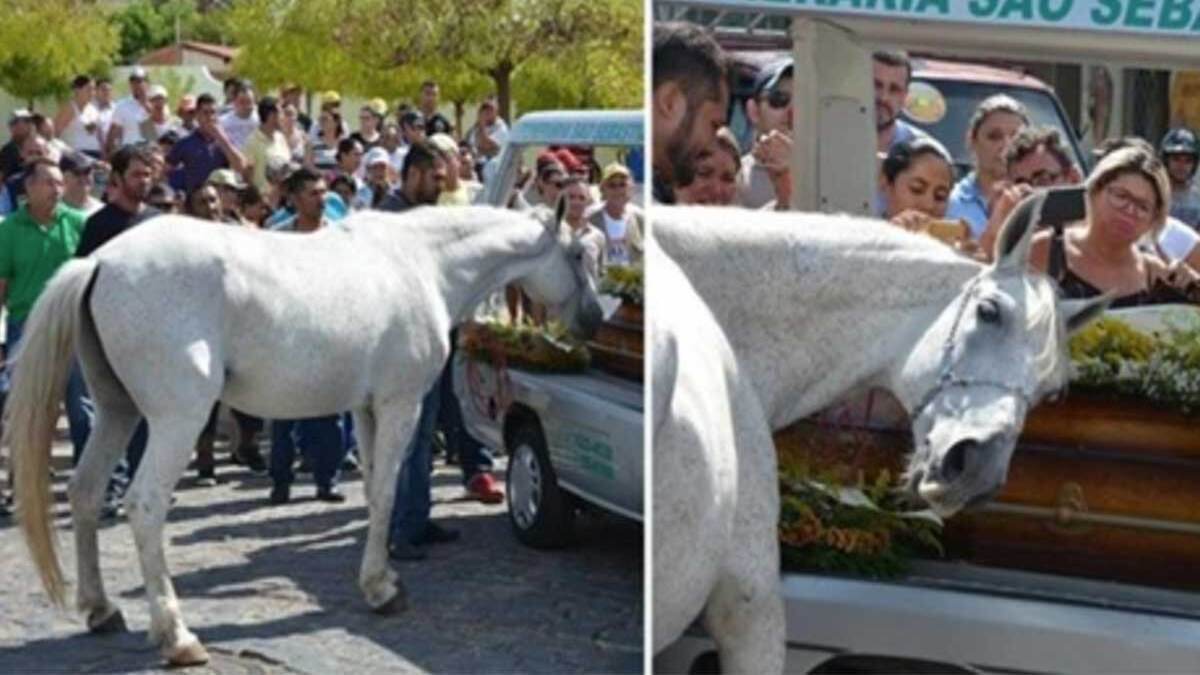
x=955 y=462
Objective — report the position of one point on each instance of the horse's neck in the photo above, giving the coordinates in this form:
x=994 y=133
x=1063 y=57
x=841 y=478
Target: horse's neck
x=475 y=251
x=814 y=306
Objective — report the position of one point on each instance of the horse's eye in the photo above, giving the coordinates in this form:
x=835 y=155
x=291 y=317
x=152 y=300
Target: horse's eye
x=989 y=311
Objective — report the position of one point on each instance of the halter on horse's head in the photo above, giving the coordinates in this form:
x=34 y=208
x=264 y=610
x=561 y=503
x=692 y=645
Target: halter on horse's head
x=996 y=350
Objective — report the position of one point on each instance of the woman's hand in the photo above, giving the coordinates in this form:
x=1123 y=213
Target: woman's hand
x=1004 y=199
x=911 y=220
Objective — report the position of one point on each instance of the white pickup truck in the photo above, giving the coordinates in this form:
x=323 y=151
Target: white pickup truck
x=572 y=440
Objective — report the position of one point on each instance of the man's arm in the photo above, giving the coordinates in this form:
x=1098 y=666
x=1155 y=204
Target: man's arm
x=237 y=161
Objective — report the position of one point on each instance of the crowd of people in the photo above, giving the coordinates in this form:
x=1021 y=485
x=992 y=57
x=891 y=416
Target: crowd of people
x=260 y=162
x=1136 y=240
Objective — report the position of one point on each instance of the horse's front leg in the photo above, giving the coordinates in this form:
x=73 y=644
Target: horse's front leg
x=394 y=423
x=167 y=453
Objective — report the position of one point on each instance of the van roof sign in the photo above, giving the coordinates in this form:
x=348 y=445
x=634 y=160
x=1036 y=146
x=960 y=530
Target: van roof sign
x=1176 y=18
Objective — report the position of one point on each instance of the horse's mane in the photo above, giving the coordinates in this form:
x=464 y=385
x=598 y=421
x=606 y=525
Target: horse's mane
x=445 y=226
x=857 y=235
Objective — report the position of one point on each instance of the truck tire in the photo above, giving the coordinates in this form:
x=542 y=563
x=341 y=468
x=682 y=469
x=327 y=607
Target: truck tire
x=542 y=515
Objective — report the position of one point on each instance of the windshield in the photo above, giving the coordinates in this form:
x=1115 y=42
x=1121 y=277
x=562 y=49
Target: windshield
x=947 y=119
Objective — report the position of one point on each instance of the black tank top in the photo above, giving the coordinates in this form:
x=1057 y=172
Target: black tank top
x=1075 y=286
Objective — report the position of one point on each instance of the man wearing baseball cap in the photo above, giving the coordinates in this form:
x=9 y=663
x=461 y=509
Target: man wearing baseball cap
x=769 y=111
x=377 y=164
x=20 y=124
x=159 y=121
x=619 y=220
x=130 y=112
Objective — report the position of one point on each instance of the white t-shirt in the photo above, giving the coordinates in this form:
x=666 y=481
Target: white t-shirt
x=105 y=117
x=617 y=230
x=498 y=131
x=239 y=129
x=129 y=114
x=76 y=135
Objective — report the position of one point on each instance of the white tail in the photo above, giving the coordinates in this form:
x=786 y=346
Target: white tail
x=41 y=364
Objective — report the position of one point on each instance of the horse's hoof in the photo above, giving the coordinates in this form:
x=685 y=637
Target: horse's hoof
x=393 y=605
x=190 y=654
x=113 y=623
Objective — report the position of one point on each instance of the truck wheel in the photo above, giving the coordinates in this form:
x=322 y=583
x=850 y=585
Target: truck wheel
x=541 y=514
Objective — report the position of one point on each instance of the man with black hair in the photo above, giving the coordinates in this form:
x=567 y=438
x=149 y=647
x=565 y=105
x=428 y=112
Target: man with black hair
x=435 y=122
x=78 y=121
x=193 y=159
x=267 y=145
x=422 y=179
x=891 y=73
x=689 y=100
x=319 y=438
x=128 y=189
x=240 y=122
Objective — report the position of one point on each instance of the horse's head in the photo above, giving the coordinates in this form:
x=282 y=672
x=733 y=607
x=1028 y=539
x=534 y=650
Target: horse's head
x=996 y=350
x=566 y=282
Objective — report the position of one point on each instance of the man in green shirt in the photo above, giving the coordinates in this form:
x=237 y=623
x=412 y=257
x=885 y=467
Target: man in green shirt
x=35 y=240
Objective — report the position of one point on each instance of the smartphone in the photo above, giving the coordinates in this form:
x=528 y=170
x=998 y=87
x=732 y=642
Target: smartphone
x=1064 y=205
x=947 y=231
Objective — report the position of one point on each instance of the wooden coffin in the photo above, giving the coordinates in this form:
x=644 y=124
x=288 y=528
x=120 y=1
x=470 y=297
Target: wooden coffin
x=1099 y=487
x=619 y=343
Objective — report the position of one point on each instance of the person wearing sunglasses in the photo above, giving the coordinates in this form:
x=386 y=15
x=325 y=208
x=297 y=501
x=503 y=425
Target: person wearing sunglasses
x=765 y=169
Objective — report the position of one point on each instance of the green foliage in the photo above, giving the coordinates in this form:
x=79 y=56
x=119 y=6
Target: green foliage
x=45 y=43
x=387 y=47
x=625 y=282
x=146 y=25
x=864 y=529
x=1110 y=355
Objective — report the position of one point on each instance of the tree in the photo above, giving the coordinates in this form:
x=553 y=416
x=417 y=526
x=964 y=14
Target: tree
x=384 y=47
x=45 y=43
x=146 y=25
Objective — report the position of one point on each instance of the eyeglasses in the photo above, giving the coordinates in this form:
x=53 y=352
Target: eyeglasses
x=779 y=99
x=1039 y=179
x=1122 y=200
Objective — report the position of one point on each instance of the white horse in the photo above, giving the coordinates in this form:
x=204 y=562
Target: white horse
x=772 y=317
x=177 y=314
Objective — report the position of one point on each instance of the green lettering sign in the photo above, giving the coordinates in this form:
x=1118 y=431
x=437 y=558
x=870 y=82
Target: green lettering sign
x=1139 y=13
x=983 y=8
x=1106 y=12
x=1050 y=12
x=1175 y=14
x=929 y=6
x=1020 y=9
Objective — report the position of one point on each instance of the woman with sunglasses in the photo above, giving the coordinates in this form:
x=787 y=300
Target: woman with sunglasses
x=1127 y=198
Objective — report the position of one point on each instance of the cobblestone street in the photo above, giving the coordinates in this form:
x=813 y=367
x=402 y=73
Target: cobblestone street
x=273 y=590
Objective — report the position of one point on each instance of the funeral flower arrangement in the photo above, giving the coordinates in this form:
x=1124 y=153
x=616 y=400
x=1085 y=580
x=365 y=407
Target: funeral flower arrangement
x=839 y=519
x=1161 y=364
x=624 y=282
x=545 y=348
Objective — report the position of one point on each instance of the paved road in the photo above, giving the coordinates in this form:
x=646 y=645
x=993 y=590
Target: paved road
x=272 y=590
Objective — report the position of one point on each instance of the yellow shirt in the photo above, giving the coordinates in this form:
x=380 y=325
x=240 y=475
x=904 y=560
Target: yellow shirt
x=264 y=152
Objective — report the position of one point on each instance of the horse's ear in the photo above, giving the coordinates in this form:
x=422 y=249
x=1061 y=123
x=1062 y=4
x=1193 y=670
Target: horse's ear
x=1079 y=313
x=1016 y=235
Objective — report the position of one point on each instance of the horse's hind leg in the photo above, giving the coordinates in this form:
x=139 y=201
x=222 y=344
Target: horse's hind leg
x=112 y=429
x=167 y=454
